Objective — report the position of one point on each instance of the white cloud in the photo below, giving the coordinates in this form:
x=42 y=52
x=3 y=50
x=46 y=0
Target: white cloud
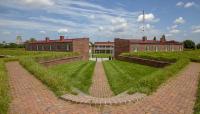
x=119 y=24
x=189 y=4
x=116 y=22
x=196 y=29
x=92 y=16
x=180 y=3
x=168 y=35
x=55 y=21
x=174 y=31
x=185 y=5
x=174 y=26
x=148 y=18
x=6 y=32
x=43 y=32
x=146 y=27
x=38 y=2
x=101 y=28
x=26 y=25
x=63 y=30
x=179 y=20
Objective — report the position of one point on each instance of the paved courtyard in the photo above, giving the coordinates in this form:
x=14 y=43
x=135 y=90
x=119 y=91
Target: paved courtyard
x=30 y=96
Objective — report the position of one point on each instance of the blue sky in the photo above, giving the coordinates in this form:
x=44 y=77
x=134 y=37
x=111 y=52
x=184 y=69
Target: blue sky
x=100 y=20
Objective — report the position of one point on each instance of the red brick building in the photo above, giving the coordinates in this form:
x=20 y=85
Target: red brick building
x=79 y=45
x=134 y=45
x=103 y=47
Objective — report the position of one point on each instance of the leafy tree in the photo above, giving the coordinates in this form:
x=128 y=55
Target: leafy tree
x=198 y=46
x=32 y=40
x=189 y=44
x=154 y=38
x=1 y=45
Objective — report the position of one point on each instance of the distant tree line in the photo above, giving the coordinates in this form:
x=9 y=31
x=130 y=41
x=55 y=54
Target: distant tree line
x=189 y=44
x=14 y=45
x=11 y=45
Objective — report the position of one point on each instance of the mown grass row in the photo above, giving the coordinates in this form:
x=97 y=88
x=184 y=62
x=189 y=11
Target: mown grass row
x=150 y=82
x=4 y=89
x=197 y=103
x=101 y=55
x=4 y=86
x=78 y=74
x=167 y=56
x=61 y=78
x=53 y=79
x=123 y=75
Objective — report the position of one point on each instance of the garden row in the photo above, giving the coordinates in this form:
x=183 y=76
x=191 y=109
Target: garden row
x=61 y=79
x=132 y=77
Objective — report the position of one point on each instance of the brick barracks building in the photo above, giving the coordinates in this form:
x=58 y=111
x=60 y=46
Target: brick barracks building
x=134 y=45
x=79 y=45
x=103 y=47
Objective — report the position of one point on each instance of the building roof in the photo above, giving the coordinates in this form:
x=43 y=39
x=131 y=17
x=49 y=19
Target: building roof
x=61 y=40
x=141 y=41
x=108 y=43
x=153 y=42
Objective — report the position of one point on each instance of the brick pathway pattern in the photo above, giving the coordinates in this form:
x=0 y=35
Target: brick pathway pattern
x=177 y=96
x=30 y=96
x=115 y=100
x=100 y=86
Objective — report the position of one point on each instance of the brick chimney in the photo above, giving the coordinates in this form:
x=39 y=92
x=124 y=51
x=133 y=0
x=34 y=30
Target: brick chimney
x=47 y=39
x=62 y=38
x=144 y=38
x=162 y=39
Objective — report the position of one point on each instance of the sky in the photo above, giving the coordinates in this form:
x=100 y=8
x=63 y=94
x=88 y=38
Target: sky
x=100 y=20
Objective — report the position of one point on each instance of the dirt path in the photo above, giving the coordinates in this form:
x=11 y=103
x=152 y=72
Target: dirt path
x=177 y=96
x=30 y=96
x=100 y=86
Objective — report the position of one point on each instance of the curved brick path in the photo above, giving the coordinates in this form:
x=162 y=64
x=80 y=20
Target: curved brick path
x=100 y=86
x=177 y=96
x=30 y=96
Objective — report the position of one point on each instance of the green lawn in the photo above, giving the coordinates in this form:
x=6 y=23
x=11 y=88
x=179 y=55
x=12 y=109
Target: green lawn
x=61 y=78
x=167 y=56
x=197 y=103
x=123 y=75
x=147 y=79
x=77 y=74
x=102 y=55
x=4 y=89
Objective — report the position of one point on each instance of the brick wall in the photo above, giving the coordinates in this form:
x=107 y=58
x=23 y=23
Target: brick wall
x=121 y=46
x=59 y=61
x=149 y=62
x=81 y=46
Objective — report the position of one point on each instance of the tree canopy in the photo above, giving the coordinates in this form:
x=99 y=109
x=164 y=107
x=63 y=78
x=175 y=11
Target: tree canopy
x=189 y=44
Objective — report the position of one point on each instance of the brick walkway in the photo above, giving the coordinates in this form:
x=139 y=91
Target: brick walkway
x=100 y=86
x=177 y=96
x=30 y=96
